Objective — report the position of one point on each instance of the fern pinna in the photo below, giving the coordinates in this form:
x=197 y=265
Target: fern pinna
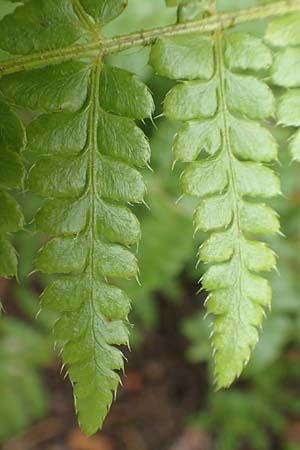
x=225 y=146
x=89 y=148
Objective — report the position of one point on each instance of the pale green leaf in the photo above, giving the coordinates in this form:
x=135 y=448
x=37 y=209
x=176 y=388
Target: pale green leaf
x=249 y=96
x=205 y=178
x=284 y=31
x=256 y=180
x=286 y=68
x=213 y=213
x=183 y=57
x=295 y=146
x=194 y=137
x=289 y=108
x=244 y=51
x=192 y=100
x=258 y=218
x=263 y=148
x=219 y=247
x=259 y=257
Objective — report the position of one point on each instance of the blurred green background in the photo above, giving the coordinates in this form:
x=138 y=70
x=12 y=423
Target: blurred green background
x=262 y=410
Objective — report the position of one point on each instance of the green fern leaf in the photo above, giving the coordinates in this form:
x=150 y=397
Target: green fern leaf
x=284 y=31
x=285 y=73
x=220 y=108
x=88 y=150
x=12 y=141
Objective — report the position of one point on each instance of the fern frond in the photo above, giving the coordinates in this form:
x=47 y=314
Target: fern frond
x=285 y=34
x=88 y=150
x=225 y=146
x=12 y=141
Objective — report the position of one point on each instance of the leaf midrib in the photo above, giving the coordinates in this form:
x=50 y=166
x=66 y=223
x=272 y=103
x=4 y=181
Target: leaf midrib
x=235 y=196
x=93 y=148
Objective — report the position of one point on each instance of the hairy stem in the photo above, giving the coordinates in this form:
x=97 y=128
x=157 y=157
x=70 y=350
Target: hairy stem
x=105 y=46
x=218 y=21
